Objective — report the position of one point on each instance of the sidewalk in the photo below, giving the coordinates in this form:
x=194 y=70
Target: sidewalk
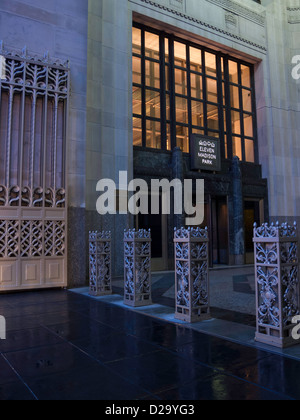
x=63 y=345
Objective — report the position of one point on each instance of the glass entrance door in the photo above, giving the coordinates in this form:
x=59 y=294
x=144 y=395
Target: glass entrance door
x=253 y=213
x=219 y=231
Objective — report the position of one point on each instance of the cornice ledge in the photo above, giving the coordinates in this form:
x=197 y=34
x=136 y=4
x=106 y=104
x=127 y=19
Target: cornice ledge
x=259 y=18
x=293 y=15
x=203 y=24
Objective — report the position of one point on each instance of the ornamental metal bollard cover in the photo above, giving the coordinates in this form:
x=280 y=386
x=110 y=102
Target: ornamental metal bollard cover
x=100 y=263
x=277 y=283
x=137 y=268
x=191 y=274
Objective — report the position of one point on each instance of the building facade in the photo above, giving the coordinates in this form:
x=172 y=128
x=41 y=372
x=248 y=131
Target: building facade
x=105 y=86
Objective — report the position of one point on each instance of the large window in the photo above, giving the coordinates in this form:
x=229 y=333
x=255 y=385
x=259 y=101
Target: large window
x=180 y=88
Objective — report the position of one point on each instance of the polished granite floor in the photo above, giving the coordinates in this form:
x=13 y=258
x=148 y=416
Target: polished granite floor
x=62 y=345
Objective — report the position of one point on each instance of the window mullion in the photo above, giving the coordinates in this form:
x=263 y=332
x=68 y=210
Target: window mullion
x=254 y=114
x=172 y=95
x=189 y=94
x=204 y=93
x=163 y=94
x=220 y=102
x=228 y=110
x=143 y=81
x=241 y=112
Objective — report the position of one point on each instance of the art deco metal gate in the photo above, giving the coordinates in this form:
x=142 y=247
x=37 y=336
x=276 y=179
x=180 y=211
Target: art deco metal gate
x=277 y=283
x=33 y=215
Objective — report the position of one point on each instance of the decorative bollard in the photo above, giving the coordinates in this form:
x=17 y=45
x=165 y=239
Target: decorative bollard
x=100 y=263
x=137 y=264
x=277 y=284
x=191 y=275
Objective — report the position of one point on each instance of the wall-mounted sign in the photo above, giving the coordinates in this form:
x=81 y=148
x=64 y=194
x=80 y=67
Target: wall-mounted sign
x=205 y=153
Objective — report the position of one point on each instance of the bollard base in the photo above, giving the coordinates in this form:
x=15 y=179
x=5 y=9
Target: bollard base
x=281 y=343
x=137 y=302
x=192 y=316
x=99 y=294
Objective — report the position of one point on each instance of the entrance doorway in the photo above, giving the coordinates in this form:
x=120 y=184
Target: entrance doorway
x=219 y=231
x=253 y=213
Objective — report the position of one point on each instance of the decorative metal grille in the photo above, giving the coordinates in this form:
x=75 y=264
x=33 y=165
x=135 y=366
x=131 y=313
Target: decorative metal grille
x=137 y=255
x=100 y=263
x=33 y=120
x=277 y=283
x=191 y=275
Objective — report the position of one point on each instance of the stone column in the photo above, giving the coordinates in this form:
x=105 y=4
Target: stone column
x=137 y=268
x=191 y=275
x=100 y=263
x=277 y=283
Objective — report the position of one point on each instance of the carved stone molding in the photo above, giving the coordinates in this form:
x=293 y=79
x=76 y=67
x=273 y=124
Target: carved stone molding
x=240 y=10
x=260 y=19
x=293 y=14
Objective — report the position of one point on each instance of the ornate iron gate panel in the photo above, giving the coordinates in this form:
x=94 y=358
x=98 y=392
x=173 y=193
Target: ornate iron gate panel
x=277 y=283
x=191 y=275
x=33 y=216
